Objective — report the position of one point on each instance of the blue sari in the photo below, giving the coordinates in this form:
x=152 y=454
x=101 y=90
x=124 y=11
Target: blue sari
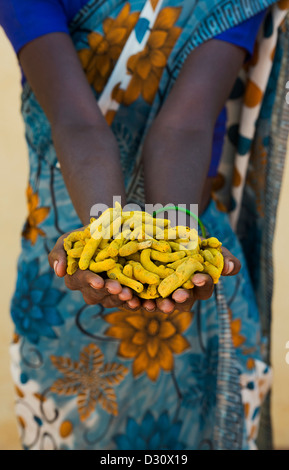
x=87 y=377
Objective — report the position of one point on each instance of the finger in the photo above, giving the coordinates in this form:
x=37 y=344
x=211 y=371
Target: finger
x=113 y=287
x=126 y=294
x=204 y=289
x=90 y=296
x=200 y=280
x=181 y=295
x=111 y=301
x=165 y=305
x=82 y=279
x=149 y=305
x=231 y=264
x=134 y=303
x=99 y=296
x=187 y=304
x=57 y=258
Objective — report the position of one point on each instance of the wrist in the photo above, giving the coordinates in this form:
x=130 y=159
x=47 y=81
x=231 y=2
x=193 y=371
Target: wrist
x=176 y=163
x=85 y=140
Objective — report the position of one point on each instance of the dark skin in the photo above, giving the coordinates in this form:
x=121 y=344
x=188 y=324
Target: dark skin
x=181 y=135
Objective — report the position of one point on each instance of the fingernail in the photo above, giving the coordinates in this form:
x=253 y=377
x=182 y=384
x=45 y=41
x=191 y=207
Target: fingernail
x=131 y=305
x=199 y=281
x=55 y=267
x=230 y=267
x=95 y=285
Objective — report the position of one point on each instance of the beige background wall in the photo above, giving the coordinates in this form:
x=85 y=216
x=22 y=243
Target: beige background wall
x=12 y=215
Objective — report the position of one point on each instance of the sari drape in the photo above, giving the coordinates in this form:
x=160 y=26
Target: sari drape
x=93 y=378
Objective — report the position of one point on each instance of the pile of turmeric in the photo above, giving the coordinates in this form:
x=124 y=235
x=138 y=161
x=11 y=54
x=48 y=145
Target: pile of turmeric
x=143 y=252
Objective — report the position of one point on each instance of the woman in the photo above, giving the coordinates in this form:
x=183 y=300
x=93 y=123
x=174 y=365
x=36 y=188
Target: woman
x=137 y=376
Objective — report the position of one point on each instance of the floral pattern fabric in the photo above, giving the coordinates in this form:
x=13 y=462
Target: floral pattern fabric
x=87 y=377
x=79 y=365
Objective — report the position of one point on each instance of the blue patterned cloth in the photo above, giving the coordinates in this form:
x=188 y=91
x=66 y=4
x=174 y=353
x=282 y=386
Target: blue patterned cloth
x=84 y=377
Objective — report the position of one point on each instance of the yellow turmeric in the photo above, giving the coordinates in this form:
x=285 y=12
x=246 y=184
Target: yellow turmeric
x=72 y=265
x=211 y=242
x=167 y=257
x=75 y=252
x=214 y=256
x=103 y=254
x=143 y=275
x=102 y=266
x=161 y=271
x=133 y=257
x=116 y=273
x=176 y=246
x=161 y=245
x=115 y=246
x=88 y=253
x=143 y=253
x=132 y=247
x=150 y=292
x=188 y=284
x=212 y=271
x=175 y=264
x=128 y=271
x=103 y=243
x=71 y=238
x=179 y=277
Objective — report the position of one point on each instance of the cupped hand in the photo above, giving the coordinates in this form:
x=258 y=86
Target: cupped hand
x=110 y=293
x=94 y=289
x=183 y=299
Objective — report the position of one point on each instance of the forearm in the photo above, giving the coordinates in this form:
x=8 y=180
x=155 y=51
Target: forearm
x=84 y=143
x=90 y=165
x=178 y=148
x=176 y=163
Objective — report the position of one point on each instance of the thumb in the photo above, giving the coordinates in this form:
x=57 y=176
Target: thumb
x=57 y=258
x=231 y=264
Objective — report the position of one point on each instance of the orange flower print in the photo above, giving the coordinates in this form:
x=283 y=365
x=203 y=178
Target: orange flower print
x=218 y=183
x=90 y=379
x=36 y=215
x=147 y=66
x=149 y=338
x=98 y=61
x=256 y=177
x=236 y=326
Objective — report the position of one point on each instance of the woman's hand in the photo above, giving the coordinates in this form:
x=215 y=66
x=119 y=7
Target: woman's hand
x=183 y=299
x=94 y=289
x=110 y=293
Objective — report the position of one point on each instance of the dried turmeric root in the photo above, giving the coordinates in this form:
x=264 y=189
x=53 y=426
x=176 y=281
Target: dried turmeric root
x=143 y=253
x=133 y=247
x=142 y=275
x=150 y=293
x=88 y=253
x=161 y=271
x=72 y=265
x=180 y=276
x=214 y=263
x=102 y=266
x=116 y=273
